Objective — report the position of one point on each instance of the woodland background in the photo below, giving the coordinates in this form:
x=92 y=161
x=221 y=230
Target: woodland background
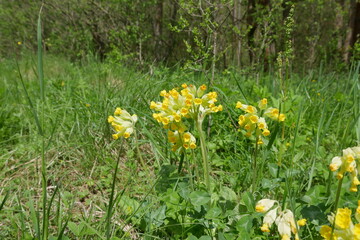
x=198 y=35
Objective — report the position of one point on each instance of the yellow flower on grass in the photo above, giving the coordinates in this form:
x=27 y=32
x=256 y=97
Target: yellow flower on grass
x=348 y=163
x=187 y=103
x=253 y=122
x=123 y=123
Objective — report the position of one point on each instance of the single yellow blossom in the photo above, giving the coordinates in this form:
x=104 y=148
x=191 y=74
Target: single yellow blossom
x=123 y=123
x=301 y=222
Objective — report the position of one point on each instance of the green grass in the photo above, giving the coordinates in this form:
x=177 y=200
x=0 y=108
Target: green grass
x=158 y=202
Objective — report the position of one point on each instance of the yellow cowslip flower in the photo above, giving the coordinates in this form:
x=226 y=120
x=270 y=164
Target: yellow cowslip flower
x=262 y=104
x=343 y=218
x=344 y=227
x=264 y=205
x=123 y=123
x=197 y=101
x=325 y=232
x=347 y=163
x=254 y=118
x=252 y=122
x=238 y=105
x=284 y=220
x=260 y=141
x=301 y=222
x=181 y=140
x=356 y=231
x=281 y=117
x=19 y=42
x=265 y=228
x=117 y=111
x=266 y=132
x=187 y=103
x=190 y=103
x=335 y=163
x=286 y=224
x=153 y=105
x=274 y=114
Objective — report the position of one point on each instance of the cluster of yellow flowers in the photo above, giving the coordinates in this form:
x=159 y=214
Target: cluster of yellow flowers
x=251 y=121
x=284 y=220
x=123 y=123
x=347 y=163
x=344 y=227
x=189 y=102
x=186 y=140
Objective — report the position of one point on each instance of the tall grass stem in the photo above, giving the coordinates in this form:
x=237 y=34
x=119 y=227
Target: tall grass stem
x=111 y=200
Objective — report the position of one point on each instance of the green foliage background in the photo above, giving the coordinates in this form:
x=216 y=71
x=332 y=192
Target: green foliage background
x=244 y=33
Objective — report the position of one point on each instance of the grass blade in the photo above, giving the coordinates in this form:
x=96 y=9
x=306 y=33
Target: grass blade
x=33 y=110
x=4 y=200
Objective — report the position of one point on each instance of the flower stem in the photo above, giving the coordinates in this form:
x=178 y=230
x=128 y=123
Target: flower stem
x=138 y=150
x=254 y=175
x=206 y=166
x=338 y=191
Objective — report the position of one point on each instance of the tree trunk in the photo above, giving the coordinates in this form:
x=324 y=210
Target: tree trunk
x=158 y=30
x=237 y=23
x=350 y=32
x=252 y=25
x=339 y=24
x=356 y=29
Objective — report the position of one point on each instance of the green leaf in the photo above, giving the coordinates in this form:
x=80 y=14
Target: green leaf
x=74 y=228
x=244 y=224
x=249 y=202
x=314 y=213
x=273 y=169
x=192 y=237
x=270 y=183
x=213 y=213
x=158 y=216
x=228 y=194
x=205 y=238
x=199 y=198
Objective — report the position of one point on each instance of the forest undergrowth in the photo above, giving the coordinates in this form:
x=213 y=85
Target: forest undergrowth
x=249 y=156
